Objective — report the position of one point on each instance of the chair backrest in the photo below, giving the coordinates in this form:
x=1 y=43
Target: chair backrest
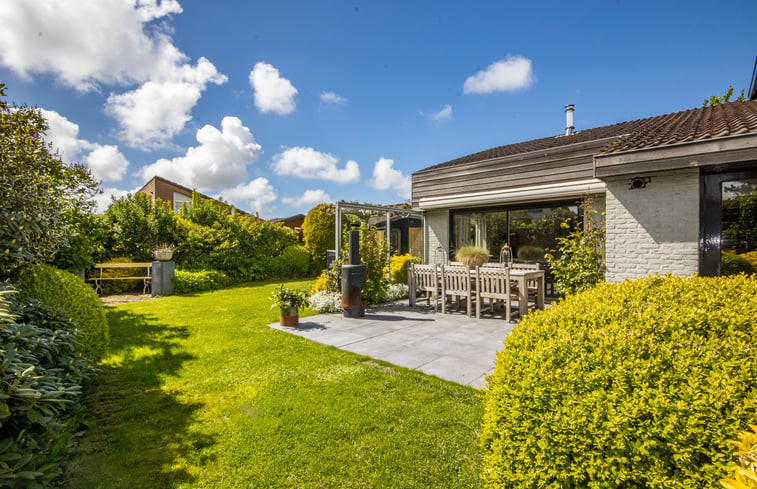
x=493 y=283
x=425 y=276
x=456 y=279
x=526 y=266
x=455 y=264
x=493 y=264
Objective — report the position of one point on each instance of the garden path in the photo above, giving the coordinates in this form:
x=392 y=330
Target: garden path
x=450 y=346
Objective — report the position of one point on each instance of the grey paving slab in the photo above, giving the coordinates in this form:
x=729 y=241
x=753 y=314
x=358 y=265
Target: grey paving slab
x=452 y=346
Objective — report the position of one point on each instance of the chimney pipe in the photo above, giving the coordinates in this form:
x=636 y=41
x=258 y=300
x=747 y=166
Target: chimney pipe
x=569 y=128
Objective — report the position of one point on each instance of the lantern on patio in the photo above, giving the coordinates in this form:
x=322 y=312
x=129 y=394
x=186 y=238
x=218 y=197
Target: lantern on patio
x=506 y=255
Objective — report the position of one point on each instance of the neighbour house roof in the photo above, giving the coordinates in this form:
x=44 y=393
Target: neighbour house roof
x=717 y=121
x=185 y=191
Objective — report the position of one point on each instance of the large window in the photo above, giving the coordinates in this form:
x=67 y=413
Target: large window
x=729 y=223
x=529 y=230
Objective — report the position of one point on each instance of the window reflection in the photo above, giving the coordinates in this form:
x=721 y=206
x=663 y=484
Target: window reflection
x=738 y=239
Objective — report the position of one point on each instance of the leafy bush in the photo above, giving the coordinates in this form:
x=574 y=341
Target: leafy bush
x=325 y=301
x=398 y=265
x=318 y=232
x=36 y=190
x=293 y=262
x=137 y=226
x=187 y=282
x=41 y=379
x=242 y=246
x=57 y=288
x=638 y=384
x=744 y=475
x=373 y=256
x=86 y=243
x=579 y=262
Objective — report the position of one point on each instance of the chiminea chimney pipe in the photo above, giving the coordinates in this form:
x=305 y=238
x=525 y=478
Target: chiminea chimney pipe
x=569 y=128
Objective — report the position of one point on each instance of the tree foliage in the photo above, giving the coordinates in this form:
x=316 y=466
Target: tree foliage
x=717 y=100
x=37 y=190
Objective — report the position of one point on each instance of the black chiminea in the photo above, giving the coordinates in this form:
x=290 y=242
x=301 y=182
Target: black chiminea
x=353 y=279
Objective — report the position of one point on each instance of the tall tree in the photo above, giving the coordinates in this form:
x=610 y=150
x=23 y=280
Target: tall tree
x=36 y=190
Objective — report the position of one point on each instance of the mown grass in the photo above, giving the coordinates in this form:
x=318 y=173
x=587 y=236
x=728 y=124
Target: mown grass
x=197 y=391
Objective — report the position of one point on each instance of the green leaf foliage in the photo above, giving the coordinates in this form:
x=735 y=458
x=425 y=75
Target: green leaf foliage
x=633 y=385
x=136 y=226
x=318 y=233
x=293 y=262
x=61 y=289
x=398 y=265
x=187 y=282
x=41 y=377
x=36 y=191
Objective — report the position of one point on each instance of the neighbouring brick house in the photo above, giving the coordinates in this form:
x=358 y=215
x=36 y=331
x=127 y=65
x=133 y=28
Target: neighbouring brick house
x=679 y=193
x=173 y=193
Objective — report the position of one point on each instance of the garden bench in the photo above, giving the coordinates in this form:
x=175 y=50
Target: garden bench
x=146 y=278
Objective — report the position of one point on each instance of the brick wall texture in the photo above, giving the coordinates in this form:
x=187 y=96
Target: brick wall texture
x=437 y=224
x=654 y=229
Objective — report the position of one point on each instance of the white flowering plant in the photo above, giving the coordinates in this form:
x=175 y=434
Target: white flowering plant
x=324 y=301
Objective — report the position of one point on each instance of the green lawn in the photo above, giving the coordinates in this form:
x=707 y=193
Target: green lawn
x=197 y=391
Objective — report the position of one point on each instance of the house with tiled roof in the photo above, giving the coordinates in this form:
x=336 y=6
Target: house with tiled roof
x=678 y=193
x=174 y=194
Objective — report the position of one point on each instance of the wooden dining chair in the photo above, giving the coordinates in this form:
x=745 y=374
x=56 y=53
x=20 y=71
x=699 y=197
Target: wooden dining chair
x=493 y=284
x=424 y=279
x=457 y=284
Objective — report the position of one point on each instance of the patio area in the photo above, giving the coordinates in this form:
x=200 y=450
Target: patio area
x=450 y=346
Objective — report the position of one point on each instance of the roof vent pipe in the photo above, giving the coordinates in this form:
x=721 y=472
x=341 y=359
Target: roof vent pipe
x=569 y=128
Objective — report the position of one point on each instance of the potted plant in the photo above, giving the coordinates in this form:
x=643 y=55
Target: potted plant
x=163 y=252
x=289 y=302
x=472 y=256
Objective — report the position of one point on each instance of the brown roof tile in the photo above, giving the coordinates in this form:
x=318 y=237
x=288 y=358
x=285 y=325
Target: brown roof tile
x=711 y=122
x=689 y=125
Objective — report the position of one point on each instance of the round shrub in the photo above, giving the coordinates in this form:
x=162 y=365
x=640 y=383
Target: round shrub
x=637 y=384
x=318 y=232
x=58 y=288
x=293 y=262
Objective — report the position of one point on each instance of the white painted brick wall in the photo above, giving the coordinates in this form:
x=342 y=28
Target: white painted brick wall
x=654 y=229
x=437 y=225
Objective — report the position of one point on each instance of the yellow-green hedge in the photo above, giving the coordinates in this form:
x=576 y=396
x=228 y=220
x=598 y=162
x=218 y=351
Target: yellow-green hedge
x=633 y=385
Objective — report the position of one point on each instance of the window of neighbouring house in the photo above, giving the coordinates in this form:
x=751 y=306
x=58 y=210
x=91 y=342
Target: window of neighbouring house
x=179 y=199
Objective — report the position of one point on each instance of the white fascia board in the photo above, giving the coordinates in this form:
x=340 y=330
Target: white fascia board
x=523 y=194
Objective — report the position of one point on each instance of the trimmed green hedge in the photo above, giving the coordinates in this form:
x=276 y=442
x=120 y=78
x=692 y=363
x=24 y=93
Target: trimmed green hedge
x=58 y=288
x=293 y=262
x=631 y=385
x=187 y=282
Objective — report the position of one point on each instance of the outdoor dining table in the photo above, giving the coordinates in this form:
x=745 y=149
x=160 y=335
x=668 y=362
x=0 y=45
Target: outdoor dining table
x=523 y=277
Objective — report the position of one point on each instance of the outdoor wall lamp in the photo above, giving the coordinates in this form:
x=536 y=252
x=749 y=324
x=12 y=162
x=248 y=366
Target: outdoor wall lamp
x=639 y=182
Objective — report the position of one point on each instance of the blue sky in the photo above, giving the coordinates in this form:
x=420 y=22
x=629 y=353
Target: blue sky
x=276 y=106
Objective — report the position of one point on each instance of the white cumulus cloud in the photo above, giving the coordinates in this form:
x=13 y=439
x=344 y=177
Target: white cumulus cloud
x=87 y=42
x=309 y=163
x=103 y=200
x=106 y=162
x=219 y=161
x=386 y=177
x=90 y=43
x=332 y=98
x=273 y=93
x=155 y=112
x=509 y=74
x=443 y=115
x=257 y=194
x=309 y=198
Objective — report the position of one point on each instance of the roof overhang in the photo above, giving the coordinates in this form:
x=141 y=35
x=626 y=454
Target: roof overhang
x=710 y=152
x=555 y=191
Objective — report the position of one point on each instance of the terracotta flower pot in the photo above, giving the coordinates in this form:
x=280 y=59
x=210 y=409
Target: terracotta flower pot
x=289 y=316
